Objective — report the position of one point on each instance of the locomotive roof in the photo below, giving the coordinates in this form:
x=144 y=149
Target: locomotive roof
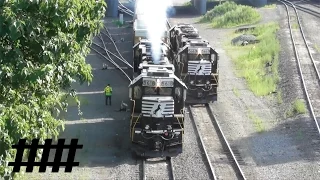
x=163 y=70
x=187 y=30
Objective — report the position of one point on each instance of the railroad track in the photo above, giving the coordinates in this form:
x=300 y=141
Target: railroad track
x=157 y=165
x=308 y=10
x=308 y=69
x=220 y=165
x=107 y=49
x=162 y=169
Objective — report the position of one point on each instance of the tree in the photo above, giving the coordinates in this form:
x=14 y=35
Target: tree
x=43 y=44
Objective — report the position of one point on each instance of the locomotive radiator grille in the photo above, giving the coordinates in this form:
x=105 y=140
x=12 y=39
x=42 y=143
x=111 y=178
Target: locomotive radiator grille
x=157 y=106
x=199 y=68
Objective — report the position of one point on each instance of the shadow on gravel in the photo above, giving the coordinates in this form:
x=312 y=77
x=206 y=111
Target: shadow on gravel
x=297 y=140
x=102 y=130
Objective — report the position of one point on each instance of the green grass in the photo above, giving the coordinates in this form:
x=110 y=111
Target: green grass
x=236 y=92
x=251 y=60
x=229 y=14
x=270 y=6
x=297 y=107
x=257 y=122
x=295 y=25
x=317 y=48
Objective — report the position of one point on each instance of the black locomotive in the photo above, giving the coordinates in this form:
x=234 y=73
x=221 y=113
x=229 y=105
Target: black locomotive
x=158 y=98
x=196 y=63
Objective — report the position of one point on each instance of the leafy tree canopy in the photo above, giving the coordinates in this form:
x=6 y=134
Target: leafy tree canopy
x=43 y=44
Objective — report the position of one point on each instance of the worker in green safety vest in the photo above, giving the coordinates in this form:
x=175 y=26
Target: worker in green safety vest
x=108 y=93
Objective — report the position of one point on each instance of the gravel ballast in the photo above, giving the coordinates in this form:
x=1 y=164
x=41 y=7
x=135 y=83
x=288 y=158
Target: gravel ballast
x=283 y=150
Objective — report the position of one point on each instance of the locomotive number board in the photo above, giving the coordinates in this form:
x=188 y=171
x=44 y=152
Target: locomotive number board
x=157 y=82
x=198 y=50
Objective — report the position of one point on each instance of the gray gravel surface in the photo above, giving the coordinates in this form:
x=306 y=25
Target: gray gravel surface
x=103 y=132
x=284 y=149
x=157 y=168
x=191 y=163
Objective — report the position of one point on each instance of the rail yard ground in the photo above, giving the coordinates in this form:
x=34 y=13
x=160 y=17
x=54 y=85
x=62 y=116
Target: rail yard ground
x=271 y=145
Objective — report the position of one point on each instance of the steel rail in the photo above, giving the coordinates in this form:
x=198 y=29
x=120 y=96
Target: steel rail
x=125 y=8
x=313 y=4
x=109 y=52
x=298 y=59
x=121 y=59
x=170 y=163
x=307 y=10
x=218 y=127
x=144 y=175
x=125 y=11
x=212 y=172
x=115 y=64
x=110 y=37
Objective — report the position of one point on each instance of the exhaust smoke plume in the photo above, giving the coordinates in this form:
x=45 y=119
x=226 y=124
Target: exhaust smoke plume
x=154 y=17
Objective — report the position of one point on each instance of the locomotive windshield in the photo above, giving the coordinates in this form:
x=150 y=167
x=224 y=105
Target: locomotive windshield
x=162 y=91
x=198 y=57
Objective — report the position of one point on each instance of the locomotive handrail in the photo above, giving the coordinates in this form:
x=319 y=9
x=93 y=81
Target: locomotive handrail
x=132 y=131
x=134 y=106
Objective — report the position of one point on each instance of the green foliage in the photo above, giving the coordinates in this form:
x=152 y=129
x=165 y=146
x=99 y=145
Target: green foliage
x=219 y=10
x=251 y=60
x=187 y=4
x=317 y=48
x=270 y=6
x=43 y=45
x=257 y=122
x=297 y=107
x=230 y=14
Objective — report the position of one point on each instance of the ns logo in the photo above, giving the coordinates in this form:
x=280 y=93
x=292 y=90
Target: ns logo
x=156 y=110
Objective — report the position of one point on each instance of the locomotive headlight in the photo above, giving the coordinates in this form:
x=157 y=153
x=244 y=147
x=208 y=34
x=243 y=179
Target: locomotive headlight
x=147 y=127
x=199 y=51
x=208 y=82
x=191 y=82
x=158 y=83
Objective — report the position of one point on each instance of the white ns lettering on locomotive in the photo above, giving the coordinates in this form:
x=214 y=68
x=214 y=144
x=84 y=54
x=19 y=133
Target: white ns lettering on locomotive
x=158 y=82
x=198 y=50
